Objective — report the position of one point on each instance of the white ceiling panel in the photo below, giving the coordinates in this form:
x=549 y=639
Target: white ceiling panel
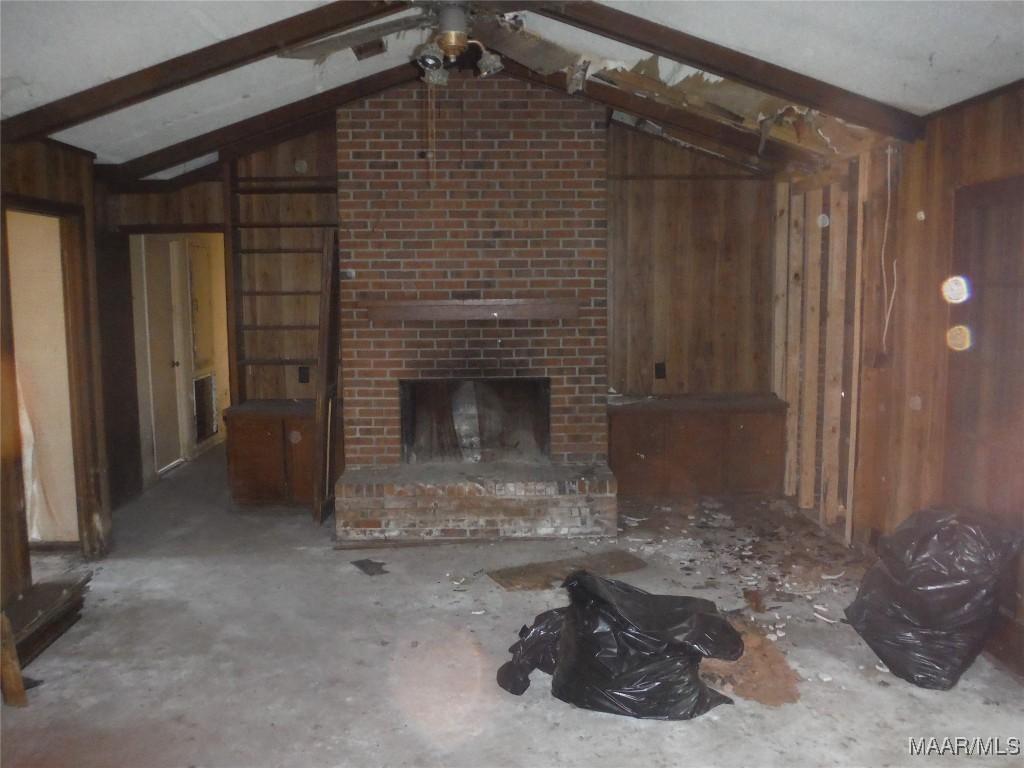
x=49 y=50
x=920 y=56
x=225 y=99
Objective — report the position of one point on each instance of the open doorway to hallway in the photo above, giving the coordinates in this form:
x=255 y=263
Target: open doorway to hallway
x=181 y=346
x=42 y=382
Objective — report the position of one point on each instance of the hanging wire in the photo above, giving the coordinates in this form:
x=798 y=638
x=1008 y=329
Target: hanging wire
x=431 y=131
x=889 y=300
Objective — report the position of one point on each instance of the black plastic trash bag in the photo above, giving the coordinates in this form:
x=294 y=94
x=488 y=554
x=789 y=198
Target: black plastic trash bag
x=619 y=649
x=927 y=606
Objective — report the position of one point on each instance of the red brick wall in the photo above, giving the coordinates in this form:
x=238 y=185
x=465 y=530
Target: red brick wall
x=516 y=208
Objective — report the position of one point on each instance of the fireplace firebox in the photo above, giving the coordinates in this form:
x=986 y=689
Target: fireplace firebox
x=475 y=420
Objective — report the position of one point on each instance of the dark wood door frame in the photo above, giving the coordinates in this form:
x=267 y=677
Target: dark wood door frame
x=81 y=331
x=230 y=280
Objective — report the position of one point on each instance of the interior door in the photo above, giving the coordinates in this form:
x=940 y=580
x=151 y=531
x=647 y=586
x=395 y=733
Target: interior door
x=325 y=470
x=985 y=426
x=163 y=362
x=985 y=417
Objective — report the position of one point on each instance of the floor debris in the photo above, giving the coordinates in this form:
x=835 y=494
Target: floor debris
x=755 y=599
x=761 y=674
x=371 y=567
x=548 y=574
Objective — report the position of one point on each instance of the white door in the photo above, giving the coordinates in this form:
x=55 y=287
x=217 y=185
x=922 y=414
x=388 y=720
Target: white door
x=164 y=362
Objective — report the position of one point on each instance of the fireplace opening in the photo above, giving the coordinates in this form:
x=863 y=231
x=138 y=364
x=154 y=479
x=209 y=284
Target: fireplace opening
x=475 y=420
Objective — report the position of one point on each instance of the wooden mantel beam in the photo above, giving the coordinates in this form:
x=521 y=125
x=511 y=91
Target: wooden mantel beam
x=733 y=65
x=272 y=122
x=192 y=67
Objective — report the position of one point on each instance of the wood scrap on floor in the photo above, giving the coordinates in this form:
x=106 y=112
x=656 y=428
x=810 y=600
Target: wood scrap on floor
x=761 y=674
x=43 y=613
x=544 y=575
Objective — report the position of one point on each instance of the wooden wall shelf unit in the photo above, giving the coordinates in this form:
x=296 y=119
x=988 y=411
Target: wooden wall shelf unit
x=473 y=309
x=281 y=205
x=282 y=209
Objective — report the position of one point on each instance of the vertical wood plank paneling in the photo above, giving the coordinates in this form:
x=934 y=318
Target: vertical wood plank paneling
x=199 y=204
x=691 y=280
x=232 y=282
x=780 y=253
x=904 y=395
x=810 y=351
x=835 y=344
x=795 y=293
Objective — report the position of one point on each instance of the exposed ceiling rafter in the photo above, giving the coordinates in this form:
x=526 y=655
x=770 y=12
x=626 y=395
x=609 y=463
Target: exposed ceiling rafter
x=733 y=65
x=192 y=67
x=687 y=125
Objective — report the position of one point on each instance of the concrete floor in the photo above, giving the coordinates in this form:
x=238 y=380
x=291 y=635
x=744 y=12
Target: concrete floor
x=214 y=637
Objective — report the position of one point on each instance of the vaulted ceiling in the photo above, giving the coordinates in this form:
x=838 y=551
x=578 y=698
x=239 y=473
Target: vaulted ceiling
x=917 y=56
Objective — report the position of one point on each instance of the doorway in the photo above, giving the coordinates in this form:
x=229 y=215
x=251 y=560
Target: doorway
x=181 y=347
x=42 y=382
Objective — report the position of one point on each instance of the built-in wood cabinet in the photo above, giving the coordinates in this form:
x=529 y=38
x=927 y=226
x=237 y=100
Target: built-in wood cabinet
x=697 y=445
x=270 y=452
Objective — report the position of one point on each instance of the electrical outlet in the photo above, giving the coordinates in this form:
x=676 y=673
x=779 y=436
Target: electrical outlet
x=659 y=370
x=303 y=374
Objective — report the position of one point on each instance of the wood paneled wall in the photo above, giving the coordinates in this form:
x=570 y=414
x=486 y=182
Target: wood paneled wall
x=690 y=262
x=200 y=205
x=904 y=410
x=903 y=399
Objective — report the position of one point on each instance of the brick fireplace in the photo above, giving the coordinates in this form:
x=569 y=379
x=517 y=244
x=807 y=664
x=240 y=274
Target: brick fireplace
x=479 y=257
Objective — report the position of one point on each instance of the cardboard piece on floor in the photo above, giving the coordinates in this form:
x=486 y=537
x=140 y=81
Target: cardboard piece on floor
x=550 y=573
x=371 y=567
x=44 y=612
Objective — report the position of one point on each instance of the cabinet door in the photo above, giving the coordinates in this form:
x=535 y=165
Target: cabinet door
x=636 y=454
x=256 y=461
x=299 y=439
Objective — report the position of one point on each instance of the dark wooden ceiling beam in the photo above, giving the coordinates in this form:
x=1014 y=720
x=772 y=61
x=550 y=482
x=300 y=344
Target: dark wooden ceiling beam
x=270 y=123
x=687 y=125
x=192 y=67
x=733 y=65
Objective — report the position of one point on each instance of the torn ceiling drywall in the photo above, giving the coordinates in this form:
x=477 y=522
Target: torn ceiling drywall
x=919 y=56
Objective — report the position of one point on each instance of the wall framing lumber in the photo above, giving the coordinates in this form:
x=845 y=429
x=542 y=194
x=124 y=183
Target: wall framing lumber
x=808 y=443
x=793 y=340
x=835 y=345
x=856 y=354
x=781 y=286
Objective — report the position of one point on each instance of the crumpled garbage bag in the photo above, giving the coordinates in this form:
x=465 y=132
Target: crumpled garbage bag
x=619 y=649
x=927 y=606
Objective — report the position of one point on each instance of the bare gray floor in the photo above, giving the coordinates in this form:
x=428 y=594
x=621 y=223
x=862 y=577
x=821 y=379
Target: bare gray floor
x=222 y=638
